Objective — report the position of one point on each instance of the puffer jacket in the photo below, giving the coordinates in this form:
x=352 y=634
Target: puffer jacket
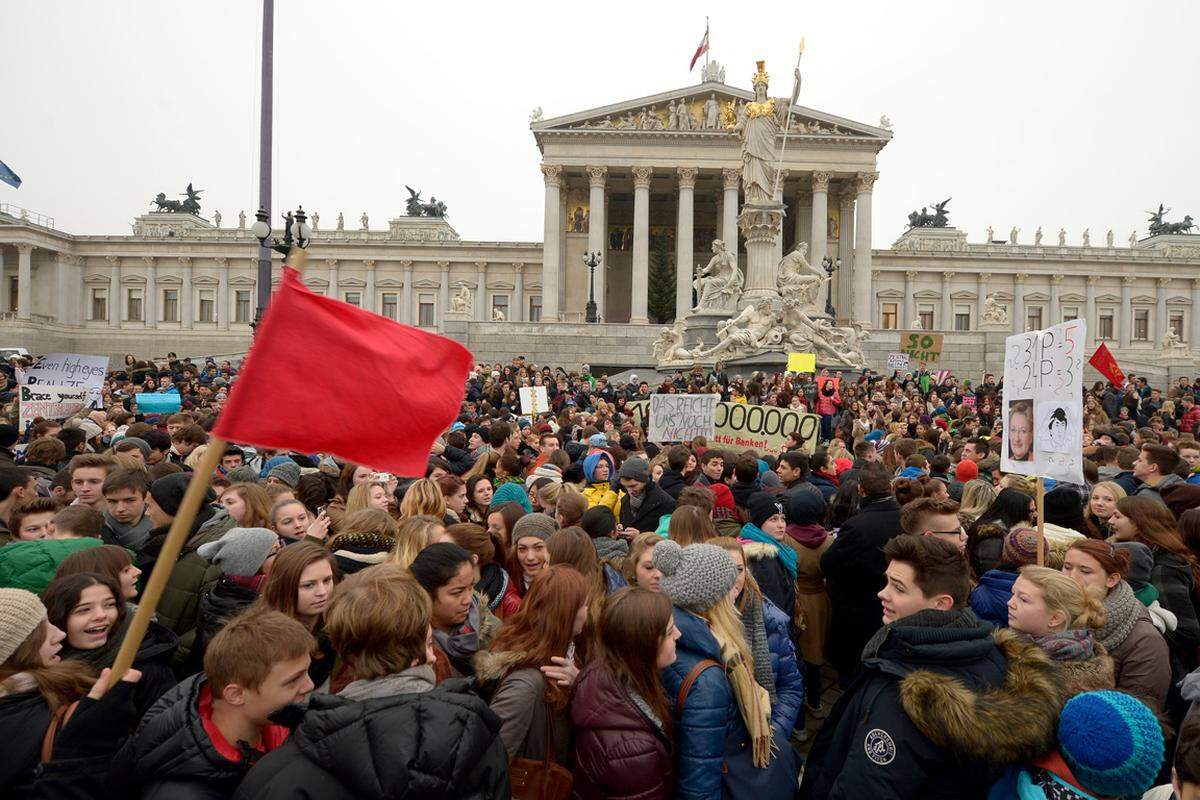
x=600 y=493
x=222 y=600
x=620 y=752
x=24 y=716
x=31 y=565
x=440 y=743
x=772 y=577
x=789 y=685
x=989 y=600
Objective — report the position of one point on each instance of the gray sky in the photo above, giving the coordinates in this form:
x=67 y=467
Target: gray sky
x=1064 y=114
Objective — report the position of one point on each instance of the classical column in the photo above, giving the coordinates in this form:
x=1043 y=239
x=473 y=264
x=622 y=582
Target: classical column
x=150 y=303
x=4 y=298
x=981 y=290
x=819 y=230
x=641 y=246
x=862 y=246
x=444 y=294
x=685 y=259
x=60 y=287
x=729 y=210
x=1126 y=331
x=223 y=293
x=368 y=301
x=876 y=322
x=845 y=275
x=1089 y=311
x=481 y=313
x=1160 y=310
x=516 y=312
x=598 y=231
x=1055 y=311
x=947 y=321
x=1194 y=316
x=803 y=220
x=185 y=294
x=1018 y=320
x=114 y=291
x=909 y=312
x=783 y=173
x=406 y=309
x=24 y=279
x=551 y=259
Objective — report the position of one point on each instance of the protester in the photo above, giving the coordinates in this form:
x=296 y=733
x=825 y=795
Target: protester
x=32 y=520
x=301 y=584
x=526 y=559
x=109 y=561
x=769 y=552
x=479 y=498
x=598 y=470
x=990 y=597
x=642 y=503
x=638 y=567
x=462 y=623
x=126 y=522
x=409 y=538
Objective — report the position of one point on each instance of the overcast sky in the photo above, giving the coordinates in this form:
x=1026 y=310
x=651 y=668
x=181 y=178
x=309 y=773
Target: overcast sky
x=1064 y=114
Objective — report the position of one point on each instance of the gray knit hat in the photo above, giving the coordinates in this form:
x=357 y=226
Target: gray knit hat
x=20 y=614
x=695 y=577
x=243 y=474
x=141 y=444
x=637 y=469
x=287 y=472
x=539 y=525
x=240 y=552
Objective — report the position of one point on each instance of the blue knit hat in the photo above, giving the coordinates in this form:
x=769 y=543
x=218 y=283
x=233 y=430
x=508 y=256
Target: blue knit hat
x=511 y=492
x=1112 y=743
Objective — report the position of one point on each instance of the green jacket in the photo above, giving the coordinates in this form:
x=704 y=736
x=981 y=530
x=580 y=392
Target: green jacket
x=31 y=565
x=180 y=602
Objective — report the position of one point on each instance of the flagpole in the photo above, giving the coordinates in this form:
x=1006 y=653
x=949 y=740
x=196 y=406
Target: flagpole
x=708 y=38
x=787 y=123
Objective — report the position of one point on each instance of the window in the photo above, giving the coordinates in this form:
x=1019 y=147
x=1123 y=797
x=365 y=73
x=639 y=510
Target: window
x=13 y=282
x=1104 y=325
x=925 y=314
x=100 y=304
x=208 y=305
x=962 y=318
x=133 y=305
x=1033 y=319
x=353 y=299
x=535 y=308
x=170 y=305
x=425 y=311
x=1141 y=325
x=888 y=316
x=500 y=304
x=241 y=307
x=1070 y=313
x=1175 y=323
x=391 y=305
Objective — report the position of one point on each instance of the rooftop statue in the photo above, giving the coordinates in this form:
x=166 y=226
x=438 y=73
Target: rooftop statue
x=415 y=208
x=189 y=206
x=938 y=219
x=1160 y=227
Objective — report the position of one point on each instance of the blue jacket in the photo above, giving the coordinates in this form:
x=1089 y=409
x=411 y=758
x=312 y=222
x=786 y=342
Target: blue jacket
x=828 y=488
x=989 y=600
x=789 y=685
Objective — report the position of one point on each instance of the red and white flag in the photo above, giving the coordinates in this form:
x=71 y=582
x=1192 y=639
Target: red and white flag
x=940 y=376
x=701 y=50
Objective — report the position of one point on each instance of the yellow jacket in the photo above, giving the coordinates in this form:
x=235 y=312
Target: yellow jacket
x=600 y=494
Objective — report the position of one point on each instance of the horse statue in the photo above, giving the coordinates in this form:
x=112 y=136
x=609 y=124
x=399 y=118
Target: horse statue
x=165 y=205
x=434 y=208
x=938 y=219
x=189 y=206
x=1160 y=227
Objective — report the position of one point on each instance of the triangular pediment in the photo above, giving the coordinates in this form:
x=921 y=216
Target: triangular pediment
x=632 y=117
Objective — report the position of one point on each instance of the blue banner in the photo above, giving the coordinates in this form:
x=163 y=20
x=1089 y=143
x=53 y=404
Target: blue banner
x=159 y=403
x=8 y=176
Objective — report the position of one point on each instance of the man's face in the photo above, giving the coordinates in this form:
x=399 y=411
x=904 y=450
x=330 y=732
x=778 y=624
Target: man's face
x=514 y=439
x=633 y=487
x=714 y=468
x=232 y=461
x=946 y=527
x=786 y=472
x=172 y=427
x=86 y=483
x=126 y=506
x=36 y=526
x=182 y=448
x=1191 y=455
x=1142 y=468
x=901 y=597
x=287 y=682
x=872 y=455
x=549 y=444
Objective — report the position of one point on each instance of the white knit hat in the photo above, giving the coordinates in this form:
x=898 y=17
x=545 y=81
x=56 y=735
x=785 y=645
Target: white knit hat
x=20 y=614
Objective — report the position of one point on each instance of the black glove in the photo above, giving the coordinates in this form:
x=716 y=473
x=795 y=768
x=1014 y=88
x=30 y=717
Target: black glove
x=98 y=727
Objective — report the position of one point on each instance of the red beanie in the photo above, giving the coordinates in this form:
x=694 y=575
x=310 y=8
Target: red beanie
x=967 y=470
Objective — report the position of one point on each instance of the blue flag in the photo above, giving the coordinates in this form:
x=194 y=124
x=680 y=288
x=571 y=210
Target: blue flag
x=8 y=176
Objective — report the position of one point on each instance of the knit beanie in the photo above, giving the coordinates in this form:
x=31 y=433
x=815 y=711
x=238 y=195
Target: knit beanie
x=636 y=469
x=1141 y=563
x=511 y=493
x=539 y=525
x=242 y=474
x=20 y=614
x=8 y=436
x=1112 y=743
x=598 y=440
x=547 y=471
x=804 y=508
x=1020 y=547
x=272 y=463
x=168 y=491
x=967 y=470
x=723 y=505
x=695 y=577
x=140 y=443
x=288 y=473
x=240 y=552
x=762 y=506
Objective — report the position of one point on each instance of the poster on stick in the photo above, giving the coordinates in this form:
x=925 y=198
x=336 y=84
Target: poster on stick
x=1043 y=414
x=50 y=402
x=681 y=417
x=897 y=361
x=70 y=369
x=534 y=400
x=921 y=346
x=739 y=426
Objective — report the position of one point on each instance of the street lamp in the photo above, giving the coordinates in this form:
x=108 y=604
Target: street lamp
x=296 y=232
x=830 y=266
x=592 y=260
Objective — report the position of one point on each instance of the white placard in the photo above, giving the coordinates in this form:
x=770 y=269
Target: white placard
x=897 y=361
x=534 y=400
x=70 y=369
x=681 y=417
x=1043 y=399
x=49 y=402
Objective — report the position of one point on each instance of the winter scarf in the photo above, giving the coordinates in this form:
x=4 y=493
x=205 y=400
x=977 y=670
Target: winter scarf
x=493 y=583
x=787 y=556
x=131 y=537
x=1072 y=645
x=411 y=681
x=1120 y=614
x=811 y=536
x=756 y=637
x=462 y=646
x=928 y=618
x=611 y=549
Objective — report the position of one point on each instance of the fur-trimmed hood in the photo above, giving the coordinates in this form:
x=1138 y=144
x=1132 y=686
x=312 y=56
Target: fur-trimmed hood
x=757 y=550
x=1088 y=675
x=492 y=667
x=1011 y=723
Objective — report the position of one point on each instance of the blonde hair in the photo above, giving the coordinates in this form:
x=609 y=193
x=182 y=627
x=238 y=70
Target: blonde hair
x=753 y=701
x=423 y=497
x=1115 y=489
x=359 y=498
x=1061 y=594
x=548 y=495
x=413 y=536
x=750 y=590
x=977 y=495
x=1022 y=483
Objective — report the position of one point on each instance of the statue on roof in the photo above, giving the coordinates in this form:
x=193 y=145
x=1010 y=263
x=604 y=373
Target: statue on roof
x=189 y=206
x=938 y=219
x=1160 y=227
x=713 y=73
x=758 y=130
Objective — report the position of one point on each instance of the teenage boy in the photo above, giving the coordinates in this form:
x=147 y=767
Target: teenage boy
x=16 y=486
x=934 y=516
x=126 y=522
x=1155 y=467
x=88 y=471
x=940 y=706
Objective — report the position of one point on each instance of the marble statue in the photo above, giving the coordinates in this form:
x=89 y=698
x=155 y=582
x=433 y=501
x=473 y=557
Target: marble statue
x=627 y=122
x=1108 y=238
x=536 y=114
x=316 y=221
x=884 y=122
x=836 y=345
x=990 y=234
x=653 y=121
x=686 y=121
x=497 y=314
x=606 y=123
x=993 y=312
x=1037 y=236
x=718 y=284
x=916 y=325
x=799 y=282
x=712 y=114
x=669 y=345
x=1062 y=237
x=1133 y=239
x=216 y=219
x=1012 y=235
x=713 y=73
x=1087 y=238
x=364 y=222
x=460 y=302
x=1172 y=344
x=672 y=116
x=758 y=131
x=341 y=222
x=749 y=332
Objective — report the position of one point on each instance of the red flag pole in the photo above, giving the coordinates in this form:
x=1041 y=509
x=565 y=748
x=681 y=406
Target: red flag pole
x=1041 y=532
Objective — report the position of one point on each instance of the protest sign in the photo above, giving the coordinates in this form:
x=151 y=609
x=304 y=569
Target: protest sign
x=740 y=426
x=165 y=403
x=50 y=402
x=802 y=362
x=681 y=417
x=821 y=380
x=969 y=400
x=534 y=400
x=69 y=369
x=1043 y=414
x=920 y=346
x=897 y=361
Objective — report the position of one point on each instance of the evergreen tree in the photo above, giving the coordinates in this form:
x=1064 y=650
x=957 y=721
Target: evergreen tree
x=661 y=300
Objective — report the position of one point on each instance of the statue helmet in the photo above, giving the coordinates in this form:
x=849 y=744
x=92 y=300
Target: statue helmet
x=761 y=76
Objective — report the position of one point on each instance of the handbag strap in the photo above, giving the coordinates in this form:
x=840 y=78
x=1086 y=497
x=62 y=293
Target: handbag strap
x=57 y=720
x=549 y=730
x=692 y=677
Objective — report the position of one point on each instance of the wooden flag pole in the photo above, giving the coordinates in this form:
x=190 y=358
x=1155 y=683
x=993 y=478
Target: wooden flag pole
x=181 y=526
x=1041 y=505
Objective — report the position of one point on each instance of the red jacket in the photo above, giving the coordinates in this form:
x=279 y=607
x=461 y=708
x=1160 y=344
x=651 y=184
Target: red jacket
x=1189 y=421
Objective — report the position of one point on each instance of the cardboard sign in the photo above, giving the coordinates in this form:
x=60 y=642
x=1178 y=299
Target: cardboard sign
x=897 y=361
x=50 y=402
x=921 y=346
x=165 y=403
x=739 y=426
x=1043 y=413
x=681 y=417
x=969 y=400
x=821 y=380
x=802 y=362
x=69 y=369
x=534 y=400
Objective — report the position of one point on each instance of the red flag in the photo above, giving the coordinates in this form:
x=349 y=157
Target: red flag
x=701 y=50
x=1106 y=365
x=324 y=376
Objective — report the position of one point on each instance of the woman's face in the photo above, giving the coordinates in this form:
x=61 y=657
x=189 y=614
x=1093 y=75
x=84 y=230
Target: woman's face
x=666 y=646
x=1020 y=437
x=739 y=562
x=128 y=578
x=1102 y=503
x=1089 y=574
x=1027 y=611
x=235 y=505
x=378 y=498
x=361 y=475
x=495 y=526
x=483 y=493
x=690 y=466
x=457 y=502
x=92 y=618
x=1121 y=526
x=532 y=555
x=775 y=526
x=48 y=652
x=452 y=600
x=580 y=620
x=600 y=473
x=656 y=472
x=315 y=589
x=645 y=574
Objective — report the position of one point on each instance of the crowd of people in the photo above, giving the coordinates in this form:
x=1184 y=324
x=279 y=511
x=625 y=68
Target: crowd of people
x=560 y=608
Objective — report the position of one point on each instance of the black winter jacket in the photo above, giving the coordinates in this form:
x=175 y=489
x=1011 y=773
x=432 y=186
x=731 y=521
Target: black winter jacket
x=672 y=482
x=23 y=718
x=656 y=504
x=224 y=600
x=441 y=743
